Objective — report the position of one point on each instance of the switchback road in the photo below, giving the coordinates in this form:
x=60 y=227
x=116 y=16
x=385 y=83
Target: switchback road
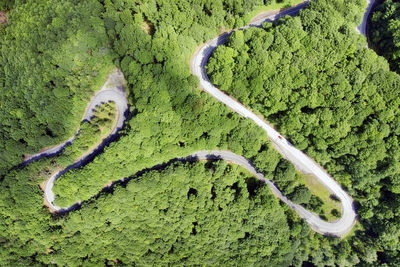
x=112 y=90
x=300 y=160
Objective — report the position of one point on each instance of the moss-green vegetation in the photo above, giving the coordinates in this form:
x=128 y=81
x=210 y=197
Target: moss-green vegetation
x=6 y=4
x=268 y=6
x=93 y=132
x=306 y=190
x=200 y=204
x=313 y=79
x=91 y=135
x=315 y=61
x=192 y=213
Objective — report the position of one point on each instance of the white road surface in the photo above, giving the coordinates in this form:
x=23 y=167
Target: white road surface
x=302 y=162
x=114 y=90
x=362 y=28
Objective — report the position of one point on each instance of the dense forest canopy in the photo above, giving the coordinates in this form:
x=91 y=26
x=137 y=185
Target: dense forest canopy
x=57 y=56
x=337 y=100
x=6 y=4
x=185 y=214
x=334 y=99
x=384 y=32
x=48 y=55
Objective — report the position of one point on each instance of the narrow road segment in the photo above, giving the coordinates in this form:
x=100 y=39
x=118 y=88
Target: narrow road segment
x=114 y=90
x=300 y=160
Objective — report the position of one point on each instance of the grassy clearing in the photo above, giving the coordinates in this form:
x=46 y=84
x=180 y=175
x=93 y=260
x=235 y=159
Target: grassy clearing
x=273 y=6
x=100 y=77
x=357 y=227
x=319 y=190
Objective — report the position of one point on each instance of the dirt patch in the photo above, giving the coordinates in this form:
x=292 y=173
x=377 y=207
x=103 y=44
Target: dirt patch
x=148 y=26
x=47 y=204
x=109 y=183
x=264 y=15
x=3 y=17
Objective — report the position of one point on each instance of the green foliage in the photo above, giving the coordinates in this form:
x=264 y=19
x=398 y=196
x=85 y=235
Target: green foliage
x=384 y=32
x=166 y=104
x=50 y=53
x=6 y=4
x=184 y=214
x=314 y=80
x=336 y=213
x=301 y=195
x=309 y=75
x=335 y=102
x=93 y=132
x=189 y=213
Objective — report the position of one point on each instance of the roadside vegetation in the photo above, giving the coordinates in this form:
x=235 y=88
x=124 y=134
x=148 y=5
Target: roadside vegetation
x=198 y=213
x=91 y=135
x=324 y=202
x=93 y=132
x=269 y=6
x=50 y=63
x=334 y=99
x=306 y=190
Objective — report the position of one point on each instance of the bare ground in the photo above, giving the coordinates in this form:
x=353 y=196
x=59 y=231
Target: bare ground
x=263 y=15
x=148 y=26
x=3 y=17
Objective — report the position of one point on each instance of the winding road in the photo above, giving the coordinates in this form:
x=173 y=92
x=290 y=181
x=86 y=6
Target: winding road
x=114 y=90
x=362 y=28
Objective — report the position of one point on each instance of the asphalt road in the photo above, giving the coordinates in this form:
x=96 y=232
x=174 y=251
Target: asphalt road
x=298 y=158
x=362 y=28
x=112 y=90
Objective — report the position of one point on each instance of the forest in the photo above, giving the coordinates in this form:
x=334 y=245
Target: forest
x=384 y=32
x=43 y=62
x=6 y=5
x=334 y=99
x=311 y=76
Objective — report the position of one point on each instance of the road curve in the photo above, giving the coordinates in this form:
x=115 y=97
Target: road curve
x=298 y=158
x=112 y=90
x=362 y=28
